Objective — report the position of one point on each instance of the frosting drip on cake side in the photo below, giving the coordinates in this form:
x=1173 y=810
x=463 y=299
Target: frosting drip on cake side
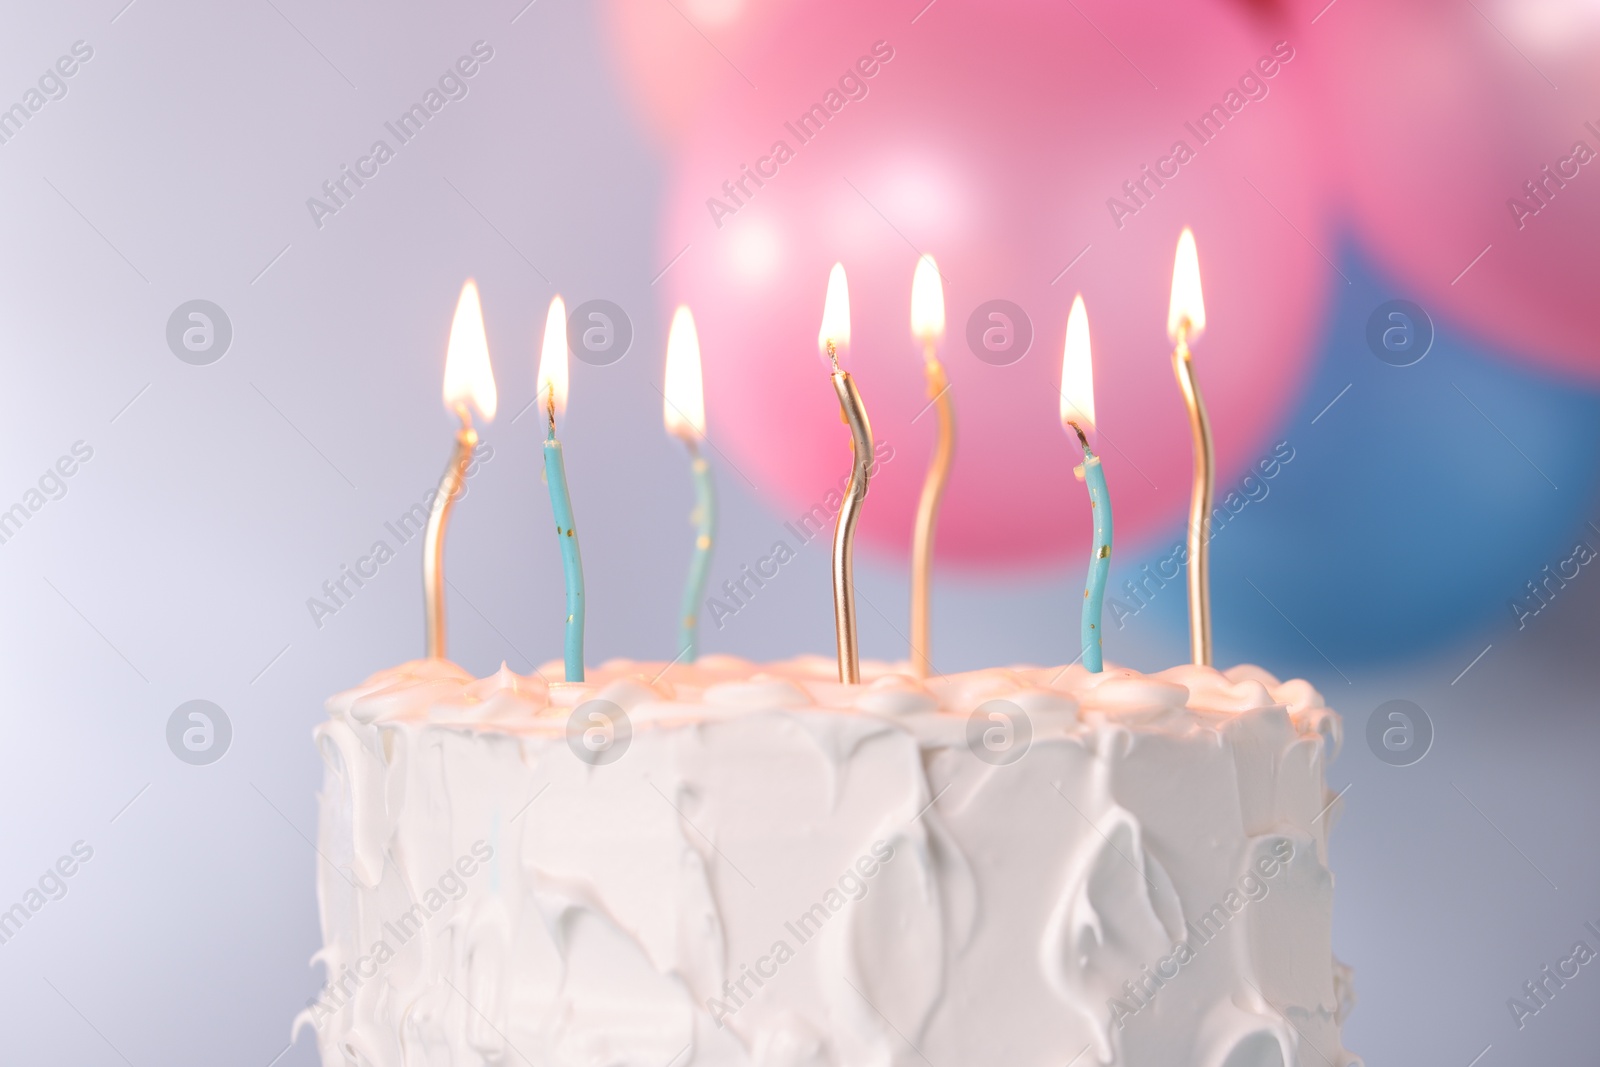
x=783 y=871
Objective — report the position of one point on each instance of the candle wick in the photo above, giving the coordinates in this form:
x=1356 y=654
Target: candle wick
x=833 y=355
x=550 y=408
x=1081 y=437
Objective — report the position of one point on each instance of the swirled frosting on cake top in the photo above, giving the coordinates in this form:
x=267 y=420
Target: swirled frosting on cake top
x=732 y=863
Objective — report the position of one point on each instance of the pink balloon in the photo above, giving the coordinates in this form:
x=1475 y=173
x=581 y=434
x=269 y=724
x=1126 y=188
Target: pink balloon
x=997 y=138
x=670 y=56
x=1442 y=113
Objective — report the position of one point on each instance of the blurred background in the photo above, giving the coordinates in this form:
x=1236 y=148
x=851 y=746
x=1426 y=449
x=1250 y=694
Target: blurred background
x=1398 y=220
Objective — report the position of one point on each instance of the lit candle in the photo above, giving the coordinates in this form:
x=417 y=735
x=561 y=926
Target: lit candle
x=927 y=326
x=1186 y=318
x=468 y=383
x=1077 y=414
x=552 y=385
x=683 y=408
x=834 y=339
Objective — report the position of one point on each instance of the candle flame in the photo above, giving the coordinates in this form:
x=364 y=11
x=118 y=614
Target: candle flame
x=835 y=314
x=553 y=357
x=468 y=375
x=684 y=401
x=1077 y=370
x=927 y=302
x=1186 y=315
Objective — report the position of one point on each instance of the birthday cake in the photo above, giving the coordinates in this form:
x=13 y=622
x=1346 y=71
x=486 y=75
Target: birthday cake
x=730 y=863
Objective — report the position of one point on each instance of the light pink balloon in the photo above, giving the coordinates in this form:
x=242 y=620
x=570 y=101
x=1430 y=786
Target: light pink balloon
x=1442 y=112
x=670 y=55
x=995 y=139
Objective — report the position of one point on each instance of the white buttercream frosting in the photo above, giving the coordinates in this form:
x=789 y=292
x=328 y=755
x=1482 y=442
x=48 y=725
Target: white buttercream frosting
x=729 y=863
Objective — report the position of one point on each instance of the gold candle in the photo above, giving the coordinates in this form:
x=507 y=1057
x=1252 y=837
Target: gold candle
x=468 y=382
x=833 y=339
x=1186 y=319
x=927 y=326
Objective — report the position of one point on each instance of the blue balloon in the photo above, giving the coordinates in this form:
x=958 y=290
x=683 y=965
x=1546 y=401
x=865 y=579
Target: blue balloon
x=1418 y=490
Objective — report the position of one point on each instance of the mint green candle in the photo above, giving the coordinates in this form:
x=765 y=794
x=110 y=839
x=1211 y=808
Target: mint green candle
x=555 y=473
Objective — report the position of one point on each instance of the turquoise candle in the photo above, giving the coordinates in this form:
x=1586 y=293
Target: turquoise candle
x=1077 y=411
x=1094 y=589
x=704 y=518
x=683 y=411
x=555 y=473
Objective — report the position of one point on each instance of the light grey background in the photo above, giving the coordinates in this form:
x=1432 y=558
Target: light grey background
x=219 y=498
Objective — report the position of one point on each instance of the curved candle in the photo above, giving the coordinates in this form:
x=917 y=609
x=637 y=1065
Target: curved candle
x=1094 y=589
x=1186 y=318
x=1077 y=411
x=844 y=527
x=450 y=486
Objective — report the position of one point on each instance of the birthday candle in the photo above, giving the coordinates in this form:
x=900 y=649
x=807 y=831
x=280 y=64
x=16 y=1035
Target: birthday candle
x=1077 y=413
x=683 y=408
x=552 y=385
x=927 y=325
x=833 y=338
x=468 y=383
x=1186 y=318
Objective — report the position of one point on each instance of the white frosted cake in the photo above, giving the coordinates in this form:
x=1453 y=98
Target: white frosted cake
x=740 y=864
